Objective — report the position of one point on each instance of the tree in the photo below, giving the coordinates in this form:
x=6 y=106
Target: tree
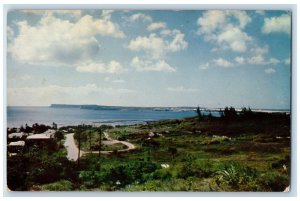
x=230 y=113
x=247 y=113
x=78 y=134
x=59 y=136
x=54 y=126
x=198 y=111
x=90 y=139
x=99 y=140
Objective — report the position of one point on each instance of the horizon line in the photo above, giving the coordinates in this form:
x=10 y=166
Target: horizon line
x=287 y=109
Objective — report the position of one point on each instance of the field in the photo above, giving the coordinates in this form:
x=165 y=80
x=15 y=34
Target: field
x=249 y=152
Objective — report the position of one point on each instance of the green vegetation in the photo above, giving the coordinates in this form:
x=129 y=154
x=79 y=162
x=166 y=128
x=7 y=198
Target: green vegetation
x=239 y=151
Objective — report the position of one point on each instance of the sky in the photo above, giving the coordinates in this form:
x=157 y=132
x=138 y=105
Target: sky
x=210 y=58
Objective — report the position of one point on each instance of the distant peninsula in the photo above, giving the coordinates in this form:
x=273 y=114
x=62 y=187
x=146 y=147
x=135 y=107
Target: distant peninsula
x=104 y=107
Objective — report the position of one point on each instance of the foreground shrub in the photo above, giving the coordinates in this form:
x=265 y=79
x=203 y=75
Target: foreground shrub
x=273 y=181
x=62 y=185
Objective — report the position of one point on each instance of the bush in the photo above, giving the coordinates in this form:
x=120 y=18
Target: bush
x=237 y=177
x=273 y=182
x=59 y=136
x=62 y=185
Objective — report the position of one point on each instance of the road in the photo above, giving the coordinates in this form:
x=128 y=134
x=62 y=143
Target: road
x=72 y=149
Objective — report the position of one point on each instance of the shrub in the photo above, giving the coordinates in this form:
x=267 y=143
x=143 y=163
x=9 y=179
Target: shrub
x=62 y=185
x=237 y=177
x=273 y=182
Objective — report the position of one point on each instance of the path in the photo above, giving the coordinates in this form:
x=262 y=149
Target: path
x=72 y=149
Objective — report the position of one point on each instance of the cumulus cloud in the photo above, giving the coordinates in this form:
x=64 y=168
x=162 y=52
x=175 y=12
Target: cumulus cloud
x=113 y=67
x=258 y=56
x=223 y=63
x=260 y=12
x=139 y=16
x=178 y=43
x=54 y=41
x=10 y=34
x=234 y=38
x=270 y=71
x=157 y=46
x=106 y=14
x=181 y=89
x=277 y=24
x=156 y=25
x=47 y=95
x=153 y=45
x=260 y=50
x=225 y=29
x=239 y=60
x=260 y=60
x=149 y=65
x=70 y=13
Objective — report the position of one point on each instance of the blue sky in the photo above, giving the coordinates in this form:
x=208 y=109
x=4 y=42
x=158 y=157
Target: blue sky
x=210 y=58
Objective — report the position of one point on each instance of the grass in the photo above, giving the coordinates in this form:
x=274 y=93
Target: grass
x=241 y=154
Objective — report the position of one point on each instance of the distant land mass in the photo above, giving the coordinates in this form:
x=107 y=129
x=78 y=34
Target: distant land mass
x=175 y=109
x=104 y=107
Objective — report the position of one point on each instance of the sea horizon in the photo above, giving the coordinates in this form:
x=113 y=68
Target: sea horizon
x=125 y=106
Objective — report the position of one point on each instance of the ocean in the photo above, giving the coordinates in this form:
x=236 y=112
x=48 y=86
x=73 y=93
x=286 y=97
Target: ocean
x=17 y=116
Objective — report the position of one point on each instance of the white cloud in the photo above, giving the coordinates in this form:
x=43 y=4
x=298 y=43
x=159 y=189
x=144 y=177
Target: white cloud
x=10 y=34
x=211 y=21
x=273 y=61
x=239 y=60
x=153 y=45
x=204 y=66
x=260 y=50
x=140 y=16
x=224 y=28
x=71 y=13
x=47 y=95
x=235 y=39
x=181 y=89
x=148 y=65
x=178 y=43
x=270 y=71
x=157 y=46
x=260 y=12
x=259 y=56
x=256 y=60
x=223 y=63
x=260 y=60
x=106 y=14
x=277 y=24
x=113 y=67
x=156 y=25
x=54 y=41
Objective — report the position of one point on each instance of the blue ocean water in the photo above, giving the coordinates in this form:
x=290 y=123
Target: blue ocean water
x=17 y=116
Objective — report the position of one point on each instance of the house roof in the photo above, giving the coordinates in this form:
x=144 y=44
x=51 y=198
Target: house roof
x=46 y=135
x=16 y=135
x=38 y=136
x=18 y=143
